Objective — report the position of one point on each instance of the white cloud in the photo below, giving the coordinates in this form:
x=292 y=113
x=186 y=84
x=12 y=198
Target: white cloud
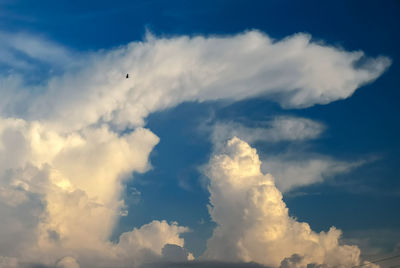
x=148 y=243
x=281 y=128
x=154 y=236
x=175 y=253
x=62 y=161
x=60 y=195
x=291 y=172
x=253 y=223
x=166 y=72
x=18 y=50
x=293 y=168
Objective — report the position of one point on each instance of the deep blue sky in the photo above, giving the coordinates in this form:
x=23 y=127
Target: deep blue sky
x=367 y=124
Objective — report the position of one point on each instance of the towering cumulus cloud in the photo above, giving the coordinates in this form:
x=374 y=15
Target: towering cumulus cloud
x=68 y=142
x=254 y=223
x=60 y=195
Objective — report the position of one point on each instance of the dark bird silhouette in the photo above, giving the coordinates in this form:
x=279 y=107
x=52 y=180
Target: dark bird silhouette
x=127 y=75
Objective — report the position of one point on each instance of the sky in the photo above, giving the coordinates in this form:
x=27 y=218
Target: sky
x=248 y=134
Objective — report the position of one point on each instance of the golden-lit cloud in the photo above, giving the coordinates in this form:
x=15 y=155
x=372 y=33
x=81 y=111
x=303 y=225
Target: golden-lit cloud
x=253 y=222
x=68 y=142
x=75 y=181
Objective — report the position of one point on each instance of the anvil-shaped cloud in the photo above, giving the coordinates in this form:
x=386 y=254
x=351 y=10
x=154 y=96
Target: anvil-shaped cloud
x=67 y=143
x=165 y=72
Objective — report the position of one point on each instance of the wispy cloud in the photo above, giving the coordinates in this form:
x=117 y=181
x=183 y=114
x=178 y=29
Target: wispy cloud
x=277 y=129
x=23 y=51
x=292 y=170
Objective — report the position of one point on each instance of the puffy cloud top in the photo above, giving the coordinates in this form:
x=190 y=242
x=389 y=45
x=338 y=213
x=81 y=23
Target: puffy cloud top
x=60 y=196
x=253 y=222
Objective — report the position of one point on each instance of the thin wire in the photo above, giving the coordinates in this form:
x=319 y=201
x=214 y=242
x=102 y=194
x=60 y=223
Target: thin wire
x=384 y=259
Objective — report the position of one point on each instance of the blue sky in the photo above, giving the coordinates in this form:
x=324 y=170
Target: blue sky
x=357 y=186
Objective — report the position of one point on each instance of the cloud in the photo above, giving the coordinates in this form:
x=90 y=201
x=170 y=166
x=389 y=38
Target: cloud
x=166 y=72
x=7 y=262
x=253 y=222
x=376 y=243
x=201 y=264
x=60 y=195
x=280 y=128
x=294 y=170
x=69 y=140
x=23 y=51
x=171 y=252
x=67 y=262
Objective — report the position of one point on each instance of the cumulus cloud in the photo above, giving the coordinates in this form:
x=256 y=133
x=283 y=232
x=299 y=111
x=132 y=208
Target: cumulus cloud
x=68 y=142
x=253 y=222
x=175 y=253
x=201 y=264
x=293 y=168
x=60 y=194
x=67 y=262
